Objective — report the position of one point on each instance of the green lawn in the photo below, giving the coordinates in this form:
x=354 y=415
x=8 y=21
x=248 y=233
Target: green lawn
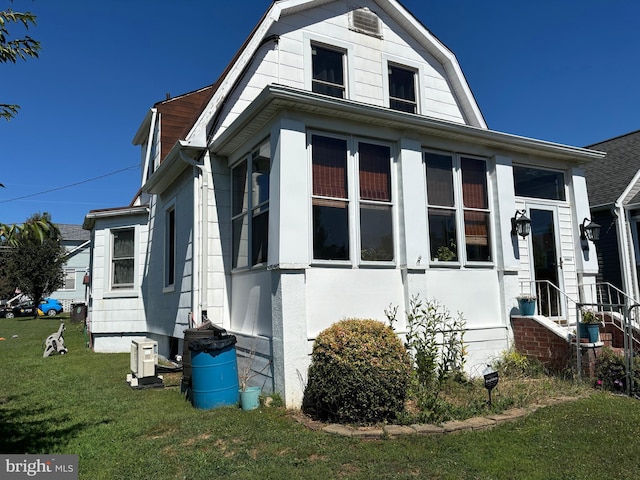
x=80 y=403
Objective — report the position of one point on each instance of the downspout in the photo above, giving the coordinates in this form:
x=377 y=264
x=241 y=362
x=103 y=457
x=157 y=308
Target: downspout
x=629 y=274
x=202 y=234
x=627 y=258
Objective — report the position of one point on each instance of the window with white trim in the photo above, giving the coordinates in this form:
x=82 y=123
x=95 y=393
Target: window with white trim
x=69 y=279
x=122 y=258
x=170 y=247
x=458 y=208
x=327 y=65
x=331 y=199
x=402 y=89
x=250 y=238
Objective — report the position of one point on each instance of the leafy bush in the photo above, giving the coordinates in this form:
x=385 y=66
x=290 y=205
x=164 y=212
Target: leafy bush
x=359 y=373
x=512 y=363
x=610 y=372
x=435 y=339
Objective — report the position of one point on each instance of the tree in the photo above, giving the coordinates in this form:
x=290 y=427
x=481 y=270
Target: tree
x=34 y=264
x=12 y=49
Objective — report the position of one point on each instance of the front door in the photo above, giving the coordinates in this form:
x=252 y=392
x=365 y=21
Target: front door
x=547 y=261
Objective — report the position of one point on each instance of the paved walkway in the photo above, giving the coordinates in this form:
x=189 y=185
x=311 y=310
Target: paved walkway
x=453 y=426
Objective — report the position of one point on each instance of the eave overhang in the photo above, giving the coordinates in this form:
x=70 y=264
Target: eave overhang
x=277 y=98
x=172 y=166
x=93 y=215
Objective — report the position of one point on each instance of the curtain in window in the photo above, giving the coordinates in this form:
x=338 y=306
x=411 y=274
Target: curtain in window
x=439 y=179
x=329 y=158
x=474 y=183
x=375 y=172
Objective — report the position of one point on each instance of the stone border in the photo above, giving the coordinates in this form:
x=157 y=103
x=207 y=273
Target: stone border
x=453 y=426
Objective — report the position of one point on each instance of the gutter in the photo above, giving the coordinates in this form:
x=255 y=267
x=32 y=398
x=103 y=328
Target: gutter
x=79 y=247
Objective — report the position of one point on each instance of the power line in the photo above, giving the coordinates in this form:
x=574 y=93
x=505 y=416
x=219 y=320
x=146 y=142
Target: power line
x=71 y=185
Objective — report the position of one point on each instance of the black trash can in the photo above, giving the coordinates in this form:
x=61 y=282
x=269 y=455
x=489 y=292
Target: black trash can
x=78 y=312
x=214 y=372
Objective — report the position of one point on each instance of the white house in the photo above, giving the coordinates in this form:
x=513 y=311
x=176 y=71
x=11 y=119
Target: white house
x=340 y=164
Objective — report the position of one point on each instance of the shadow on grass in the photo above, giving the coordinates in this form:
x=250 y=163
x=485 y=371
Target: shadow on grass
x=34 y=430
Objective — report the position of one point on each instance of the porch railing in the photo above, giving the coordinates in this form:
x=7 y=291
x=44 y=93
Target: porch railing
x=610 y=298
x=551 y=301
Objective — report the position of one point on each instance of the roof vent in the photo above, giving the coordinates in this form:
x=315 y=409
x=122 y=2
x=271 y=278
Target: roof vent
x=365 y=21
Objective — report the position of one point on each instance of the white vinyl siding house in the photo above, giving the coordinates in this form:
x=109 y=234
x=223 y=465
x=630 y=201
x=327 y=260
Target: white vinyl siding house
x=331 y=172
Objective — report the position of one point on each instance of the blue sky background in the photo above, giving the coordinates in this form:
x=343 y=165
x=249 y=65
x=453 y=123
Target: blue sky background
x=559 y=70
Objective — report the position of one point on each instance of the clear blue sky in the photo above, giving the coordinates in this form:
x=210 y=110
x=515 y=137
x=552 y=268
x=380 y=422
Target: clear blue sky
x=559 y=70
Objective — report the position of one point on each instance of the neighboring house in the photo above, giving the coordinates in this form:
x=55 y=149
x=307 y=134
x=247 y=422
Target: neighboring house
x=340 y=164
x=614 y=196
x=118 y=255
x=76 y=241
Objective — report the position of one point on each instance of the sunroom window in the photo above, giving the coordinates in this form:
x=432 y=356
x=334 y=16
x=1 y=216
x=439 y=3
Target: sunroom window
x=538 y=183
x=333 y=206
x=376 y=220
x=330 y=202
x=457 y=208
x=328 y=71
x=250 y=213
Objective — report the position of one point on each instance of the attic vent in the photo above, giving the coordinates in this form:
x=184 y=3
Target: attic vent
x=365 y=21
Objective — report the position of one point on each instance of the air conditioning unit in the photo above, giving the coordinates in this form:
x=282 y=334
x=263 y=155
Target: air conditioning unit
x=143 y=361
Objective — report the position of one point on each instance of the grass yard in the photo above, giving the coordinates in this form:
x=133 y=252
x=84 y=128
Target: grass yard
x=80 y=403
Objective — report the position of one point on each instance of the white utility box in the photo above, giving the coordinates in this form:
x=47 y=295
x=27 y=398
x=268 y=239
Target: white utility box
x=144 y=358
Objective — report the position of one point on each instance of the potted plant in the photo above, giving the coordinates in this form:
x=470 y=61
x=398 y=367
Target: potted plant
x=589 y=326
x=250 y=395
x=527 y=304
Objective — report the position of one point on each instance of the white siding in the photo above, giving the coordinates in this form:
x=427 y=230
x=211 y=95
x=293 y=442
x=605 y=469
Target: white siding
x=284 y=62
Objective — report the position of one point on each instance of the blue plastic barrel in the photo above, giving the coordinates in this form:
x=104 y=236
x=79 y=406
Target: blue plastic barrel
x=214 y=372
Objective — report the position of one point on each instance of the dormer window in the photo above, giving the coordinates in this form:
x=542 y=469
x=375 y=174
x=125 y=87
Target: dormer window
x=328 y=71
x=402 y=89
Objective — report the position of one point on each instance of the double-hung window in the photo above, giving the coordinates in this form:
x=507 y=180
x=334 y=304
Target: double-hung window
x=170 y=248
x=69 y=279
x=376 y=213
x=402 y=89
x=457 y=208
x=250 y=212
x=122 y=258
x=327 y=71
x=330 y=201
x=332 y=214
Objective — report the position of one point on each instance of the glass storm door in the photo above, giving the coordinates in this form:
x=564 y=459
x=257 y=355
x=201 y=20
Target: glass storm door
x=547 y=262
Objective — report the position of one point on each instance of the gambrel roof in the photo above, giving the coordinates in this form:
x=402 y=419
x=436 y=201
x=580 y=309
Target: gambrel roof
x=282 y=8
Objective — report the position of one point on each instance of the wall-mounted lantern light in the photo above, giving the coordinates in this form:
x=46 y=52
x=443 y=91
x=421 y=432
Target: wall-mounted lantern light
x=520 y=224
x=590 y=231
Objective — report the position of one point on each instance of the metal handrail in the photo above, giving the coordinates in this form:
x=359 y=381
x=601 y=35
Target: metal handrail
x=543 y=289
x=608 y=294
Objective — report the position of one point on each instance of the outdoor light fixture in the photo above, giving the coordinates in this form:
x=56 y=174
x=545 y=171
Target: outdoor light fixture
x=591 y=231
x=520 y=224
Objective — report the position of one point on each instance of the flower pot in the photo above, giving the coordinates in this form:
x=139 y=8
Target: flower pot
x=527 y=306
x=590 y=331
x=250 y=398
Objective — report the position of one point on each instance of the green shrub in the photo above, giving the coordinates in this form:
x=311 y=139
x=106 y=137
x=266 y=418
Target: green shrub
x=435 y=339
x=359 y=373
x=512 y=363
